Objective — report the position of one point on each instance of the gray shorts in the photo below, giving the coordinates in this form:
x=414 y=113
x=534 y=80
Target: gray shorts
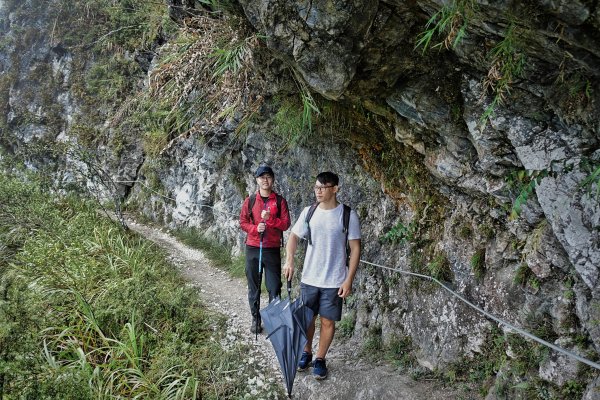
x=323 y=301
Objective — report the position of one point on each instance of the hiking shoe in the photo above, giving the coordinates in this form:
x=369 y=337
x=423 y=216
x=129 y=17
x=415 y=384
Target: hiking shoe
x=320 y=369
x=255 y=328
x=305 y=361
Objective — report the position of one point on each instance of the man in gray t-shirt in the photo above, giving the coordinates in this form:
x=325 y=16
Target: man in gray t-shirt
x=325 y=279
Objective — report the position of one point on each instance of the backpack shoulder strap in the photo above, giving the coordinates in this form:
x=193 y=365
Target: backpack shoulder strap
x=251 y=202
x=309 y=215
x=278 y=215
x=279 y=199
x=346 y=220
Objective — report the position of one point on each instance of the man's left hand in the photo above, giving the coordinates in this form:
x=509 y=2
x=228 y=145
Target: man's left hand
x=345 y=290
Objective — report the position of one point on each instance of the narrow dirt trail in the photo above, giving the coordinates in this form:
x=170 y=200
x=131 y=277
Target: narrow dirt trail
x=350 y=377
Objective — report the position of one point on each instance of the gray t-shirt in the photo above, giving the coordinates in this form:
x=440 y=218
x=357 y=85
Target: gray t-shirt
x=325 y=262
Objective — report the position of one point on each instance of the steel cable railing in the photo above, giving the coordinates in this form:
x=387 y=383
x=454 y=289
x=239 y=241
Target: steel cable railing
x=491 y=316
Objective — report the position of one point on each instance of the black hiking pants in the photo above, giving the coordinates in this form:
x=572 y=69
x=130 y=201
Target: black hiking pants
x=271 y=272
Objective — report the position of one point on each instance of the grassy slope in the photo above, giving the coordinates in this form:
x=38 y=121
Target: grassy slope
x=90 y=311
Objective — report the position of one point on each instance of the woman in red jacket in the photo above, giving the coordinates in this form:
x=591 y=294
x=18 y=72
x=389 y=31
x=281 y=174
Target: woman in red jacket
x=263 y=213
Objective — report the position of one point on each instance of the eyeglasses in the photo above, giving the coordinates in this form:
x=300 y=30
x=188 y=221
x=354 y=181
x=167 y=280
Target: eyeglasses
x=320 y=188
x=265 y=178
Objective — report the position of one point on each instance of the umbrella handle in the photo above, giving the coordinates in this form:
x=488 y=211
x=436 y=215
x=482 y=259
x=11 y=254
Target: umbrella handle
x=289 y=289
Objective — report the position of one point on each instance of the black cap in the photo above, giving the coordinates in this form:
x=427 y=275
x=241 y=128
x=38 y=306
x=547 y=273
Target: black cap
x=264 y=169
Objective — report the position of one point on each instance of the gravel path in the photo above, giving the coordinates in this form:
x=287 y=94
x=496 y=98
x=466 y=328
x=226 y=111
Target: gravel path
x=350 y=377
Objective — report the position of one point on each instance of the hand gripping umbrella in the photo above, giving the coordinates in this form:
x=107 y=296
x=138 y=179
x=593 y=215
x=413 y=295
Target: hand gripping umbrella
x=286 y=323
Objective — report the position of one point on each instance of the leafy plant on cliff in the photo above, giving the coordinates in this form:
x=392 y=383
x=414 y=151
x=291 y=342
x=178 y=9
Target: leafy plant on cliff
x=580 y=86
x=493 y=357
x=573 y=389
x=294 y=118
x=373 y=343
x=507 y=65
x=452 y=20
x=439 y=268
x=495 y=372
x=524 y=181
x=478 y=263
x=112 y=80
x=400 y=233
x=574 y=89
x=399 y=351
x=346 y=325
x=523 y=275
x=465 y=231
x=593 y=179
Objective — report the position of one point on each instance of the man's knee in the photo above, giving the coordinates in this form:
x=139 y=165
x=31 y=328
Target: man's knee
x=327 y=323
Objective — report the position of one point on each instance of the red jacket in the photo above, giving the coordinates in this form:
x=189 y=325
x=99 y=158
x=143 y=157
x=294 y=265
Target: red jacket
x=275 y=224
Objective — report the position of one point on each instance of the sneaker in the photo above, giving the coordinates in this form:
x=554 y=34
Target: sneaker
x=255 y=328
x=305 y=361
x=320 y=369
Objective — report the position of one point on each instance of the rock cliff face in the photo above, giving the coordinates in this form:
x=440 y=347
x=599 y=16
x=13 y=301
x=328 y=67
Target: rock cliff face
x=436 y=144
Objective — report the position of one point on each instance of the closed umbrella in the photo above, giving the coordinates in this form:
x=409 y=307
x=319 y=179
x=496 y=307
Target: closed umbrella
x=286 y=323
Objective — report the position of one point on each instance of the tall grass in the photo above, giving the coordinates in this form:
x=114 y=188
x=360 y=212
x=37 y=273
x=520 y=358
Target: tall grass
x=295 y=118
x=232 y=57
x=451 y=20
x=88 y=311
x=507 y=65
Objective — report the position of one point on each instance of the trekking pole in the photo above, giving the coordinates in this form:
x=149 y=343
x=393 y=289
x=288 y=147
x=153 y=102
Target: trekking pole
x=260 y=251
x=260 y=248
